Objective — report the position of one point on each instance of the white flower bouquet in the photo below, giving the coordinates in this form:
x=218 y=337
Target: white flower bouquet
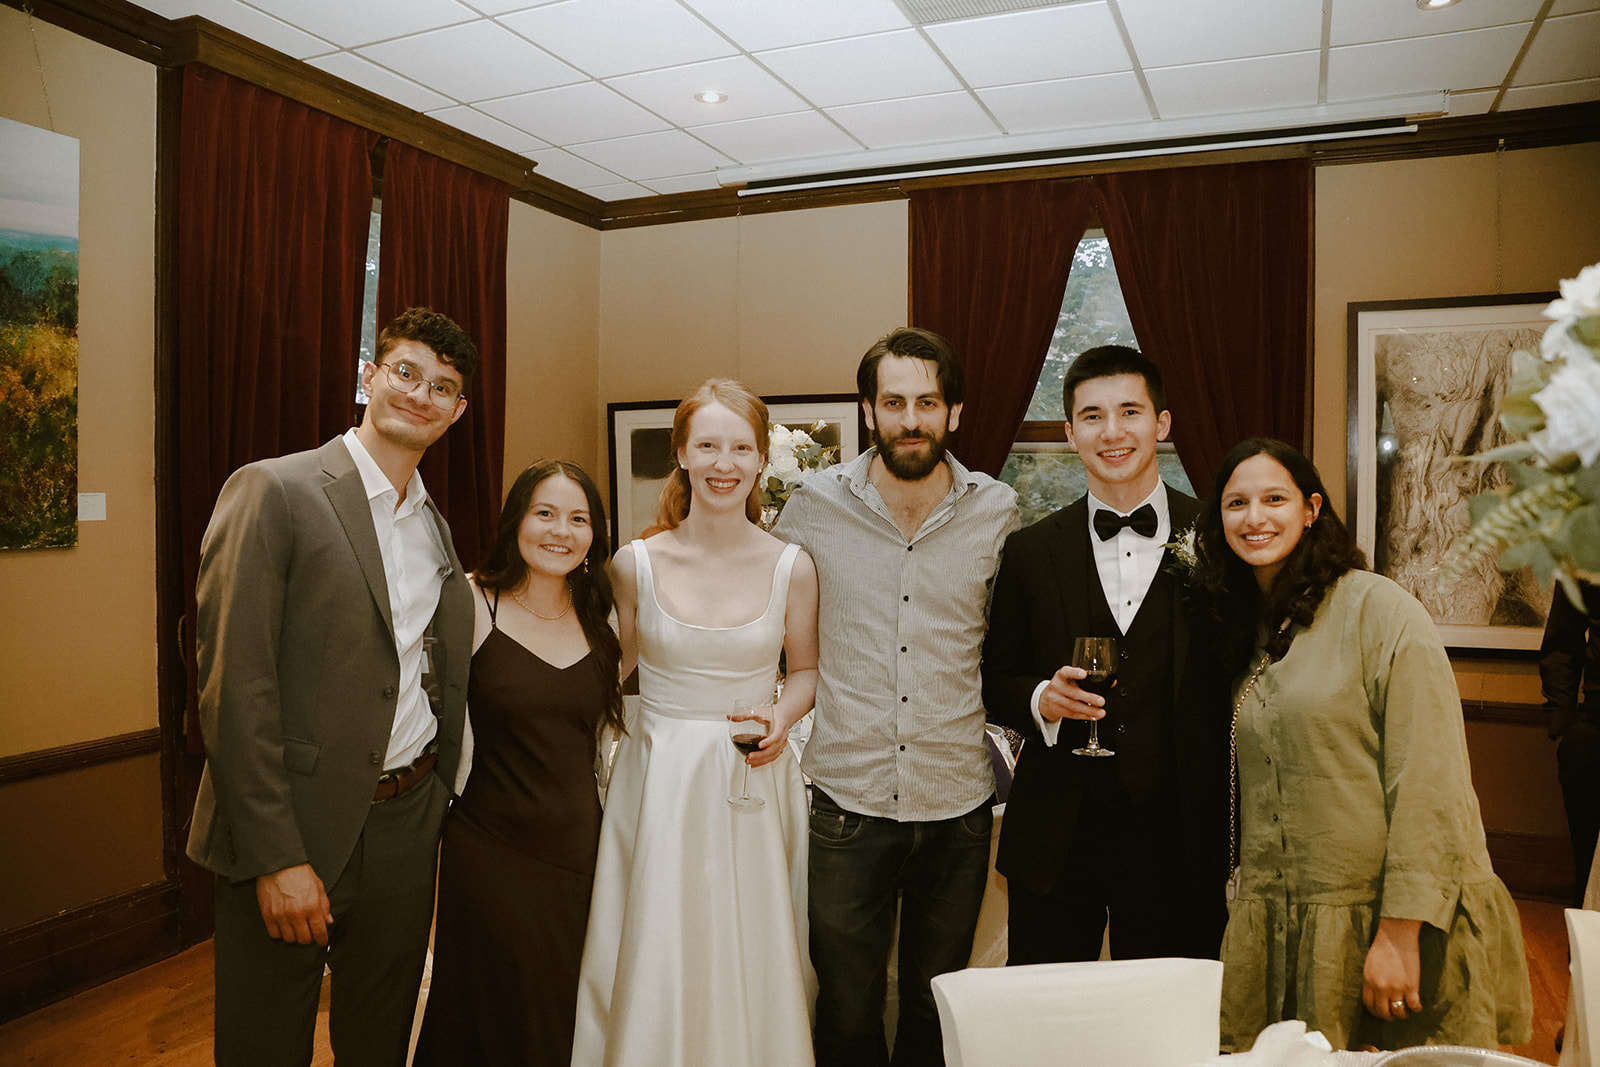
x=791 y=455
x=1548 y=518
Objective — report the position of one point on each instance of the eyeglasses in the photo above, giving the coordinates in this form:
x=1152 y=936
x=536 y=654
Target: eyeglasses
x=405 y=377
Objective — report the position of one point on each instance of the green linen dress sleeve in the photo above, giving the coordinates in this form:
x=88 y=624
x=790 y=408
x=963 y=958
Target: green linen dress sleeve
x=1429 y=803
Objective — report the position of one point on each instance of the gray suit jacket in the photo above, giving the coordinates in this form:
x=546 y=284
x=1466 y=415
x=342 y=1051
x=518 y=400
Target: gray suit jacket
x=298 y=674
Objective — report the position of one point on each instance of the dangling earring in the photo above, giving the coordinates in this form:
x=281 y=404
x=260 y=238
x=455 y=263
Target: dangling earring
x=585 y=564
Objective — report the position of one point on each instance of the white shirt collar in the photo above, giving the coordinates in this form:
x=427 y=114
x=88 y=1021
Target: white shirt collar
x=1157 y=500
x=373 y=480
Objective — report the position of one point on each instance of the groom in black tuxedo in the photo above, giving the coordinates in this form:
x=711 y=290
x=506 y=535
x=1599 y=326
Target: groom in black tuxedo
x=1140 y=838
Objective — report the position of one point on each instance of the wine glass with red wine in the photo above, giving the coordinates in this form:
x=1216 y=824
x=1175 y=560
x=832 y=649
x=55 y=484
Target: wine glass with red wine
x=750 y=722
x=1098 y=656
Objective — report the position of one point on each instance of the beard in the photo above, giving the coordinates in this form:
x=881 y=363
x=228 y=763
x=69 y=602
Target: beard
x=914 y=467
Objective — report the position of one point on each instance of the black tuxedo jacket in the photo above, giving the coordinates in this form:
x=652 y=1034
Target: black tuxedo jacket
x=1040 y=604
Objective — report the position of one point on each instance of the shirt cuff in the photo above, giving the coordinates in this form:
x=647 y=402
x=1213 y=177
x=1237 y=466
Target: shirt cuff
x=1048 y=730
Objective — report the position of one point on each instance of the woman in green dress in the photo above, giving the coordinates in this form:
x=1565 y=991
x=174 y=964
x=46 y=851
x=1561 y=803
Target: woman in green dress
x=1366 y=904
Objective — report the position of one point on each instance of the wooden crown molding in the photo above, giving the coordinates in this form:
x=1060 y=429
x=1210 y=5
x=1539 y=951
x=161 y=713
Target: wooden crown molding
x=130 y=29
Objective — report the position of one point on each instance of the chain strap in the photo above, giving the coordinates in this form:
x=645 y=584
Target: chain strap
x=1233 y=778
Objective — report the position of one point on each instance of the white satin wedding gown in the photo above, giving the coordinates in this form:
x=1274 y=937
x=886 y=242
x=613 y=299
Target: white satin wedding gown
x=697 y=952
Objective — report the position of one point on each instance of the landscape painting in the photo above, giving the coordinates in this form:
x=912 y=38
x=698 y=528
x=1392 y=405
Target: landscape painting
x=38 y=337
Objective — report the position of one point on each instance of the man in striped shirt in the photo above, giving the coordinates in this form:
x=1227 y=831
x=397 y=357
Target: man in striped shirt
x=906 y=542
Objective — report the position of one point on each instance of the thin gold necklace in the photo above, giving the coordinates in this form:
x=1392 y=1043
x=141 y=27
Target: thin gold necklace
x=547 y=618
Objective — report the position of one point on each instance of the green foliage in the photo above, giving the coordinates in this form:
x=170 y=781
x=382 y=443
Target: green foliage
x=1092 y=313
x=38 y=397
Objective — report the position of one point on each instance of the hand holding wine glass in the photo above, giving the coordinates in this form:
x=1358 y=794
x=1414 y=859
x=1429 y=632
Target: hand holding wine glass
x=749 y=723
x=1098 y=657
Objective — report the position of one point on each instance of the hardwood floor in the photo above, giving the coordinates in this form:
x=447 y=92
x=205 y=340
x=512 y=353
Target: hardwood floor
x=162 y=1014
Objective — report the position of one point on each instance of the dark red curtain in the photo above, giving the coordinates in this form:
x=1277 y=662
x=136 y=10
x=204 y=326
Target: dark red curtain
x=274 y=204
x=444 y=247
x=1215 y=264
x=989 y=267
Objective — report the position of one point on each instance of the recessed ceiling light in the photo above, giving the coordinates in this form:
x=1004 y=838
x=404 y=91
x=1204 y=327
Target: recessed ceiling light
x=711 y=96
x=1435 y=5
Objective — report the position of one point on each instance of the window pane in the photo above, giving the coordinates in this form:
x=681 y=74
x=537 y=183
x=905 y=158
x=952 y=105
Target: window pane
x=1048 y=477
x=369 y=301
x=1092 y=313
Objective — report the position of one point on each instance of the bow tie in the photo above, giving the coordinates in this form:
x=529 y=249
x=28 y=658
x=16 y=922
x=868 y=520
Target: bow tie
x=1141 y=522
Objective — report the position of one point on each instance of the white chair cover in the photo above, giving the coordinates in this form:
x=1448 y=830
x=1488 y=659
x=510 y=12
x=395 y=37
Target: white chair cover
x=1110 y=1013
x=1583 y=997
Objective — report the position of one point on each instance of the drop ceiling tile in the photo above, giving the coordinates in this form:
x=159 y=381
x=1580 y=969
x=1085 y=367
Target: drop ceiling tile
x=752 y=92
x=1364 y=21
x=1068 y=103
x=1576 y=92
x=615 y=191
x=862 y=69
x=1572 y=7
x=587 y=111
x=1165 y=34
x=802 y=134
x=472 y=61
x=1476 y=102
x=352 y=68
x=1234 y=85
x=490 y=129
x=273 y=33
x=1473 y=59
x=758 y=26
x=568 y=169
x=1566 y=49
x=349 y=23
x=502 y=7
x=687 y=183
x=1031 y=46
x=918 y=120
x=652 y=155
x=610 y=37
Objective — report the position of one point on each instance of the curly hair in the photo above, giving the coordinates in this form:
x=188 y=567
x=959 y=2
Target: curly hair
x=428 y=327
x=504 y=569
x=673 y=506
x=1324 y=553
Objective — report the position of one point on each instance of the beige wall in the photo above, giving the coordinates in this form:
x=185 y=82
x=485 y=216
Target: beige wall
x=552 y=342
x=1428 y=228
x=786 y=302
x=80 y=658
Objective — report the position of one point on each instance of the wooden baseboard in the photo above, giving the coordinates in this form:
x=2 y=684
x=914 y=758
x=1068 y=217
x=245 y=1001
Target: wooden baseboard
x=1533 y=866
x=53 y=958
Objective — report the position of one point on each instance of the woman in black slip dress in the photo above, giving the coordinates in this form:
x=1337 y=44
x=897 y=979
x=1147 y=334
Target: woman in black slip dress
x=518 y=854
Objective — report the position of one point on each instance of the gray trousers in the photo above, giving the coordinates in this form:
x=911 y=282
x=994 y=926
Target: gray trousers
x=267 y=990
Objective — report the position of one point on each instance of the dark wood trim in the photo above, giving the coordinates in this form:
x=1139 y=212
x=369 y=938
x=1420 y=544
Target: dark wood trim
x=117 y=24
x=53 y=958
x=1042 y=430
x=1534 y=866
x=1504 y=714
x=1540 y=127
x=83 y=754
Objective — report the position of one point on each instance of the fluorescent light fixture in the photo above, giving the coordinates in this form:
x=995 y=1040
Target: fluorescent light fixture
x=1168 y=137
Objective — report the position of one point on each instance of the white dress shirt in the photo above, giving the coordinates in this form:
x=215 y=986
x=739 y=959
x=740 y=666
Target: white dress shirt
x=1127 y=564
x=415 y=565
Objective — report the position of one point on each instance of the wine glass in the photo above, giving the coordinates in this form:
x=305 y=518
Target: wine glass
x=750 y=722
x=1098 y=656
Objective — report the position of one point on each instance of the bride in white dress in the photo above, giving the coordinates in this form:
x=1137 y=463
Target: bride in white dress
x=697 y=952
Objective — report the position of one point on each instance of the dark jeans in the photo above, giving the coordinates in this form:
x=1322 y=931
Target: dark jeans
x=1578 y=765
x=860 y=866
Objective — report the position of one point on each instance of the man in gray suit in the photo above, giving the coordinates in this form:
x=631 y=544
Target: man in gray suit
x=327 y=763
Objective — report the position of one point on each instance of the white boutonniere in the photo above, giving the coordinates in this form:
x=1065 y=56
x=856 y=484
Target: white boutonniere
x=1185 y=557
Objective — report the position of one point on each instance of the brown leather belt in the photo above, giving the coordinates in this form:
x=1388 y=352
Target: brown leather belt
x=395 y=782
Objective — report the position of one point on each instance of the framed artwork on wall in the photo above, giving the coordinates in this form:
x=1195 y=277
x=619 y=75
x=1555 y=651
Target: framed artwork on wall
x=641 y=447
x=1425 y=382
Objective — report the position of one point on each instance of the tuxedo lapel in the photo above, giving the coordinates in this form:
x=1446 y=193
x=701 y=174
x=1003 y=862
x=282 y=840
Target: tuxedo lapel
x=1184 y=511
x=348 y=498
x=1071 y=560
